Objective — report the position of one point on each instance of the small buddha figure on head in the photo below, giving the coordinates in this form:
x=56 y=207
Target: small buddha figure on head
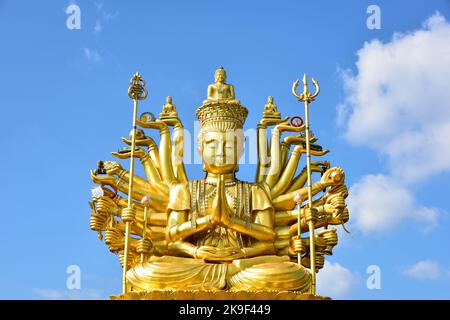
x=220 y=91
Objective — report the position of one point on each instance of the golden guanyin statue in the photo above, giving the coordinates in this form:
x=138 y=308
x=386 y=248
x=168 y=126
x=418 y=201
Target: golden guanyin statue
x=219 y=233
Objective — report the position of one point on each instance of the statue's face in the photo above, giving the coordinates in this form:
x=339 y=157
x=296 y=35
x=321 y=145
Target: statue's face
x=221 y=150
x=220 y=76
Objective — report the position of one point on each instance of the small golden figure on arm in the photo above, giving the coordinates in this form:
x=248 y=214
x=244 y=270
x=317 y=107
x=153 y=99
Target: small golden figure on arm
x=169 y=110
x=271 y=109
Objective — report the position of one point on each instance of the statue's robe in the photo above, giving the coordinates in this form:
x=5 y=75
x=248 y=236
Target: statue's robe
x=266 y=272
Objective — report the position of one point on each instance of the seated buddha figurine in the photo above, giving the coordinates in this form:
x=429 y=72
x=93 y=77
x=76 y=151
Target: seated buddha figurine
x=271 y=109
x=169 y=110
x=220 y=230
x=221 y=91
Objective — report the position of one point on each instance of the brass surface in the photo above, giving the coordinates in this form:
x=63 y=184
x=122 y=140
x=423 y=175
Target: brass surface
x=216 y=295
x=219 y=237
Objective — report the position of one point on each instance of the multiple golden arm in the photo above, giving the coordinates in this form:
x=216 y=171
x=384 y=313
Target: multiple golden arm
x=274 y=230
x=162 y=168
x=277 y=169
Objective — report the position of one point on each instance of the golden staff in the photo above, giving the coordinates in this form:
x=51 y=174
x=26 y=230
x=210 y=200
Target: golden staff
x=144 y=231
x=299 y=199
x=136 y=91
x=145 y=246
x=306 y=96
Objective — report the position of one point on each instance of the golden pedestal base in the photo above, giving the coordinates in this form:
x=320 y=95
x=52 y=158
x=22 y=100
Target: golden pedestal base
x=216 y=295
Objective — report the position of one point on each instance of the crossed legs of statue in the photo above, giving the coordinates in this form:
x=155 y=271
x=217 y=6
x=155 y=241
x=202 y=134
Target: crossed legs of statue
x=270 y=273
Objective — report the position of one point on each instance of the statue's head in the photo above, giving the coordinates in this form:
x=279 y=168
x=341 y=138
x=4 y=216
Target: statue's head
x=269 y=99
x=220 y=149
x=221 y=137
x=220 y=75
x=169 y=100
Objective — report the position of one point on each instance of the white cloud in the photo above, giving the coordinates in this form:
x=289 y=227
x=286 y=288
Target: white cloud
x=378 y=203
x=104 y=18
x=426 y=270
x=91 y=55
x=398 y=104
x=49 y=294
x=98 y=27
x=53 y=294
x=335 y=281
x=98 y=5
x=109 y=16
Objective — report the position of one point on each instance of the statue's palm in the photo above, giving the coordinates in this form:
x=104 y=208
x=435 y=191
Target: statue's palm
x=220 y=210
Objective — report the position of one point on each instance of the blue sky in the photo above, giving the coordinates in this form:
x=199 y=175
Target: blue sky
x=64 y=106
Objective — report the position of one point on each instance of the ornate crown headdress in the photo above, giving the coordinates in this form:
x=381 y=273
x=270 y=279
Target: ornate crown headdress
x=225 y=113
x=222 y=115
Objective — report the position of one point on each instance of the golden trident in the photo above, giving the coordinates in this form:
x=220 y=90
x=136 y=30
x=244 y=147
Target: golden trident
x=136 y=91
x=306 y=96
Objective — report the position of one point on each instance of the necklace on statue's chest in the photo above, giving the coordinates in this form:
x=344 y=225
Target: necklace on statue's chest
x=231 y=190
x=202 y=192
x=237 y=194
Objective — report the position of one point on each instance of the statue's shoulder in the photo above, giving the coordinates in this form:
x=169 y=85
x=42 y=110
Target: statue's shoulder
x=179 y=197
x=260 y=196
x=258 y=187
